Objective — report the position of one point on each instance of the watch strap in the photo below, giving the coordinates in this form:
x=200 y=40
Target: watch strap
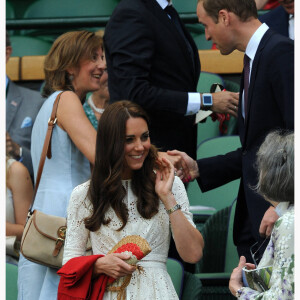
x=174 y=208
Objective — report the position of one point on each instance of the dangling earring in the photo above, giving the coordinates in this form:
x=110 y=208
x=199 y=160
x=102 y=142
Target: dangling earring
x=71 y=77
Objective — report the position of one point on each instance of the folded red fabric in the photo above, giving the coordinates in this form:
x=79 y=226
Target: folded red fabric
x=76 y=281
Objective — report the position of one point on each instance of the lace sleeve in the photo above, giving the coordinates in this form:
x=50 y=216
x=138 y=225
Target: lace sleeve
x=181 y=197
x=77 y=235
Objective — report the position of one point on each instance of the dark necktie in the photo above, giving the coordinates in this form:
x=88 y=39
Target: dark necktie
x=170 y=10
x=246 y=82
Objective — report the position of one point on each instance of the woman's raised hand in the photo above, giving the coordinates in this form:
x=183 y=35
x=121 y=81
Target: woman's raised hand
x=113 y=265
x=164 y=178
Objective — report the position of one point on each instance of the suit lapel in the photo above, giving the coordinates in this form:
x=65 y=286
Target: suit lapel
x=163 y=18
x=13 y=102
x=254 y=70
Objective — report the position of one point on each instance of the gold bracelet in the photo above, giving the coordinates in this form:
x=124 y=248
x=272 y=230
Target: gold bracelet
x=174 y=208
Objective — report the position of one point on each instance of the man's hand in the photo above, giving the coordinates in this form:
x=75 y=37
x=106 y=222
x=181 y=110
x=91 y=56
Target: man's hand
x=225 y=102
x=12 y=148
x=174 y=159
x=267 y=223
x=187 y=168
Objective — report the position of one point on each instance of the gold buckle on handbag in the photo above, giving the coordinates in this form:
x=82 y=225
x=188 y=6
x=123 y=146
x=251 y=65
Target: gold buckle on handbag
x=58 y=245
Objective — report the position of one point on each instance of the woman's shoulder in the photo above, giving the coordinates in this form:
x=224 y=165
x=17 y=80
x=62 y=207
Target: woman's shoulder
x=286 y=221
x=16 y=171
x=79 y=195
x=81 y=189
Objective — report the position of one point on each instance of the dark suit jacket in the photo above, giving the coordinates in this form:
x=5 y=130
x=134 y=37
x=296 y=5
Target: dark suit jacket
x=278 y=20
x=148 y=62
x=270 y=107
x=22 y=106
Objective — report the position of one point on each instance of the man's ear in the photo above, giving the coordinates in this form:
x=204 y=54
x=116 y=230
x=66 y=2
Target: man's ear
x=224 y=17
x=8 y=52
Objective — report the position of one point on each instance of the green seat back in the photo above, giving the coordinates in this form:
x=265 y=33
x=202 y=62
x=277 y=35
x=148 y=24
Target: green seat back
x=207 y=129
x=64 y=9
x=70 y=8
x=183 y=6
x=231 y=255
x=11 y=282
x=191 y=287
x=10 y=11
x=26 y=45
x=176 y=272
x=197 y=31
x=222 y=196
x=214 y=234
x=206 y=80
x=219 y=256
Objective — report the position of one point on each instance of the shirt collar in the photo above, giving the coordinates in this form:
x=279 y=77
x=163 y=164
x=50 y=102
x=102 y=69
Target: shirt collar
x=255 y=40
x=163 y=3
x=282 y=208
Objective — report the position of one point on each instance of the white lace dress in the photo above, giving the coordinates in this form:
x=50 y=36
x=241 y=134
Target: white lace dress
x=154 y=282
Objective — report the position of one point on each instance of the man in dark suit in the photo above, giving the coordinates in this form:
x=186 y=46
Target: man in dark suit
x=281 y=19
x=153 y=61
x=22 y=106
x=266 y=103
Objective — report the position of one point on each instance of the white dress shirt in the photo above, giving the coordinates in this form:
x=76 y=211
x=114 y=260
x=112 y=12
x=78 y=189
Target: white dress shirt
x=251 y=51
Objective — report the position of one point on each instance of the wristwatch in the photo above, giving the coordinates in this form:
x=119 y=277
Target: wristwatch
x=174 y=208
x=207 y=101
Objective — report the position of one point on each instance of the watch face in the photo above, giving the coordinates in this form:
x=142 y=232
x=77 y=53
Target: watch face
x=207 y=99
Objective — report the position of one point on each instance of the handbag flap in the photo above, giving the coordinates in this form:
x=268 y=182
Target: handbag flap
x=50 y=226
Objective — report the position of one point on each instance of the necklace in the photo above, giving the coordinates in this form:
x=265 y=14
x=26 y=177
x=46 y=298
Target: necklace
x=93 y=106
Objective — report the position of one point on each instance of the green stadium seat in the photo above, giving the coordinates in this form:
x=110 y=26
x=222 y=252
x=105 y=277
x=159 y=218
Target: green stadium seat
x=219 y=256
x=176 y=272
x=25 y=45
x=197 y=31
x=65 y=9
x=70 y=8
x=191 y=287
x=222 y=196
x=206 y=80
x=208 y=128
x=11 y=282
x=183 y=6
x=10 y=11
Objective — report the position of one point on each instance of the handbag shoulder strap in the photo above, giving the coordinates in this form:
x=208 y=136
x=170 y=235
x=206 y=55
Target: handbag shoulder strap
x=46 y=148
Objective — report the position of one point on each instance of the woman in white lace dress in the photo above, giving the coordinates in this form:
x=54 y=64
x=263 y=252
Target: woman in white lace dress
x=276 y=183
x=124 y=197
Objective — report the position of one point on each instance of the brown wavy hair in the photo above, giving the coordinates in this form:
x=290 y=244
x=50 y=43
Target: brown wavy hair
x=67 y=51
x=106 y=189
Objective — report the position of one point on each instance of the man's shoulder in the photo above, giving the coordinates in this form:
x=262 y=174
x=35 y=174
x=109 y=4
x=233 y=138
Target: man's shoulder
x=276 y=43
x=31 y=96
x=129 y=5
x=271 y=16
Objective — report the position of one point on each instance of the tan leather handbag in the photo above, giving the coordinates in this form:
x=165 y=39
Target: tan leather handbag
x=44 y=235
